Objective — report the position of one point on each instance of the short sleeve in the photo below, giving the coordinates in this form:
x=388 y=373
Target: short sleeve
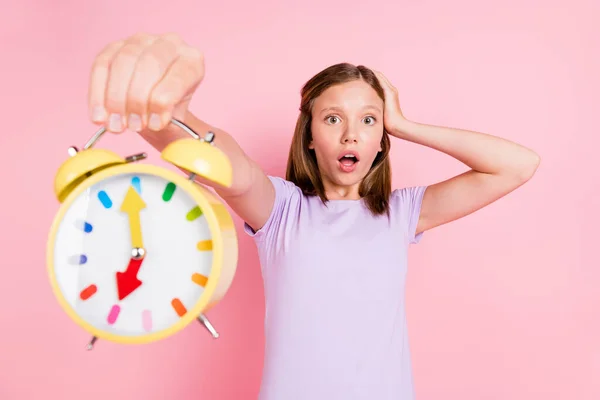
x=407 y=202
x=287 y=197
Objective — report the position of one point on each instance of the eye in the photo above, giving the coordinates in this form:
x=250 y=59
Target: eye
x=332 y=119
x=369 y=120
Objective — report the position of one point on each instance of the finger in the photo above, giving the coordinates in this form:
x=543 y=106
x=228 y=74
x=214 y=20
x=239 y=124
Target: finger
x=98 y=79
x=120 y=74
x=393 y=88
x=182 y=77
x=383 y=80
x=150 y=69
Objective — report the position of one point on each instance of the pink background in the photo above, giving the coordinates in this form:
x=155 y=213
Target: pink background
x=502 y=304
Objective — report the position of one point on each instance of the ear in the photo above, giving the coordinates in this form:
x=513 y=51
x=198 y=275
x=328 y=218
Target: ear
x=311 y=145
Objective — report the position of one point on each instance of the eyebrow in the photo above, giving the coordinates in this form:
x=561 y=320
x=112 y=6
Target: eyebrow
x=338 y=109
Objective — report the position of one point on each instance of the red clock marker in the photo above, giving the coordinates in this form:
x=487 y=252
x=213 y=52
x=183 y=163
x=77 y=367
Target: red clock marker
x=88 y=292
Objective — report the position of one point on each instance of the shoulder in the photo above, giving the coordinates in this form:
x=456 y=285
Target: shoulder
x=284 y=189
x=405 y=207
x=286 y=206
x=407 y=197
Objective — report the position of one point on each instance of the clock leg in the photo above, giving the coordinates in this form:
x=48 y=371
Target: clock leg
x=204 y=321
x=90 y=345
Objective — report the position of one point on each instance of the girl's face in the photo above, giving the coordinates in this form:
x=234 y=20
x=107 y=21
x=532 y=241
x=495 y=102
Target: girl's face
x=347 y=128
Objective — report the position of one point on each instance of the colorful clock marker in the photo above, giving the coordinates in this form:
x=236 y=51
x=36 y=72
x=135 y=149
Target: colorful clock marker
x=204 y=245
x=136 y=183
x=84 y=226
x=104 y=199
x=168 y=192
x=88 y=292
x=113 y=314
x=178 y=307
x=147 y=320
x=199 y=279
x=78 y=259
x=194 y=213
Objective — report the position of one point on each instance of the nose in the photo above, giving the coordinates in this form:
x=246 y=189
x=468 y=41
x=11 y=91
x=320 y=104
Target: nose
x=350 y=134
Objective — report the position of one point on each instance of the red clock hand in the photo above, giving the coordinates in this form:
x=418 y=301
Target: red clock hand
x=128 y=281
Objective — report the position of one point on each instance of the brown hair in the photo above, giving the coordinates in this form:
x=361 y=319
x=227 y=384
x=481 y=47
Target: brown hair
x=302 y=168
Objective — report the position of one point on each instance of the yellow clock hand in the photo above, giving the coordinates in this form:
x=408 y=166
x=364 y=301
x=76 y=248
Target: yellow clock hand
x=132 y=205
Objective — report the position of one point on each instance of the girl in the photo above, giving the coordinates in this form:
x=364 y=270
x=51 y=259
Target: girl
x=333 y=236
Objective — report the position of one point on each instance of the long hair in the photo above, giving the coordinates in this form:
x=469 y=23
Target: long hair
x=302 y=168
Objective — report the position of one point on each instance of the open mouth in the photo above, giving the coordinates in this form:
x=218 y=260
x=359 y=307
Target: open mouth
x=348 y=161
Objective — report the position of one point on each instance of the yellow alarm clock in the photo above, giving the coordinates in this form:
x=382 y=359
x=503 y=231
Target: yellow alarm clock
x=137 y=252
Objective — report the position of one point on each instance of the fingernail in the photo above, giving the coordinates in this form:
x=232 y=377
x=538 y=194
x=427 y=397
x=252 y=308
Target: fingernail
x=154 y=122
x=98 y=114
x=115 y=123
x=135 y=122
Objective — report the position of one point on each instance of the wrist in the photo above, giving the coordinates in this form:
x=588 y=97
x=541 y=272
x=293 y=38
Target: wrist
x=403 y=128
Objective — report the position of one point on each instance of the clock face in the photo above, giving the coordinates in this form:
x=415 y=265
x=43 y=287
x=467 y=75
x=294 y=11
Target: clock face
x=132 y=254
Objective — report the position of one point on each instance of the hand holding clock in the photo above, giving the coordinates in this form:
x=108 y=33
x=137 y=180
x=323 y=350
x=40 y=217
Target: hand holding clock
x=139 y=83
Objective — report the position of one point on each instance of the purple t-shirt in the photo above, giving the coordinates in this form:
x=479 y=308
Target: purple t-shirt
x=334 y=279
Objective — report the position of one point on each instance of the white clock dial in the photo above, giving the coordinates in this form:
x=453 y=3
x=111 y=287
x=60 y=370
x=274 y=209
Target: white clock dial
x=97 y=238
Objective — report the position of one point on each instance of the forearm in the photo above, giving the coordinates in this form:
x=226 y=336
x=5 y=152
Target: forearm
x=479 y=151
x=242 y=166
